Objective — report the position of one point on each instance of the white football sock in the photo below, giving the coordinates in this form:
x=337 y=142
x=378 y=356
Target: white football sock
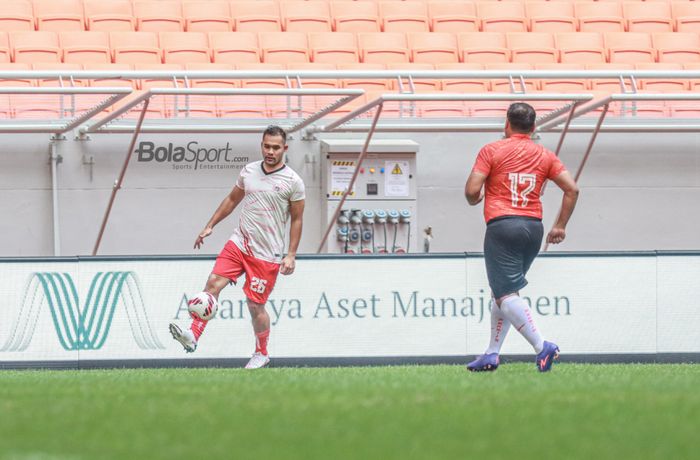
x=518 y=313
x=499 y=328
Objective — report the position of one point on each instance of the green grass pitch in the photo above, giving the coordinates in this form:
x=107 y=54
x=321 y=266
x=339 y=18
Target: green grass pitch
x=405 y=412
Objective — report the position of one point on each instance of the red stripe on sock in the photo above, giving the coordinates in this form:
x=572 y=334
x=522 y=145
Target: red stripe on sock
x=197 y=327
x=261 y=342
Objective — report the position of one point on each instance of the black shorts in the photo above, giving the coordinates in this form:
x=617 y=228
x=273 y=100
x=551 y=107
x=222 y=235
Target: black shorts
x=510 y=246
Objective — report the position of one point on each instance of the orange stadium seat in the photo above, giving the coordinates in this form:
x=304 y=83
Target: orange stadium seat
x=234 y=47
x=5 y=54
x=366 y=83
x=82 y=47
x=451 y=16
x=207 y=16
x=185 y=47
x=328 y=83
x=18 y=67
x=41 y=46
x=483 y=47
x=66 y=82
x=630 y=47
x=686 y=15
x=109 y=16
x=159 y=16
x=59 y=15
x=648 y=16
x=212 y=82
x=383 y=47
x=112 y=80
x=135 y=47
x=507 y=85
x=360 y=16
x=333 y=47
x=433 y=47
x=53 y=106
x=463 y=85
x=306 y=16
x=562 y=84
x=419 y=84
x=532 y=47
x=610 y=85
x=406 y=16
x=256 y=16
x=599 y=17
x=552 y=17
x=694 y=82
x=581 y=47
x=263 y=82
x=677 y=46
x=503 y=16
x=284 y=47
x=16 y=15
x=5 y=107
x=662 y=85
x=147 y=83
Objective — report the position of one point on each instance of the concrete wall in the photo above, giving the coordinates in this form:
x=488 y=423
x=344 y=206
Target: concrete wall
x=639 y=192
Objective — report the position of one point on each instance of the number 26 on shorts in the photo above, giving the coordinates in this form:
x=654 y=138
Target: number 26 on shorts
x=519 y=197
x=257 y=285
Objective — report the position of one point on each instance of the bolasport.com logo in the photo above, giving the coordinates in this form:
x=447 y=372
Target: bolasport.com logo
x=190 y=156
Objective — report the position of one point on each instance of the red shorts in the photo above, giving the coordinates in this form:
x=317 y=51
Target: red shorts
x=260 y=274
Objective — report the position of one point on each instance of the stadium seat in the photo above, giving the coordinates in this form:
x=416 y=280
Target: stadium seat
x=581 y=47
x=5 y=54
x=694 y=82
x=483 y=47
x=109 y=16
x=16 y=16
x=83 y=47
x=599 y=17
x=184 y=47
x=552 y=17
x=207 y=16
x=16 y=81
x=630 y=47
x=59 y=66
x=366 y=83
x=256 y=16
x=159 y=16
x=532 y=47
x=263 y=82
x=507 y=85
x=383 y=47
x=419 y=84
x=234 y=47
x=503 y=16
x=30 y=47
x=433 y=47
x=406 y=16
x=360 y=16
x=284 y=47
x=333 y=47
x=464 y=85
x=110 y=81
x=328 y=83
x=135 y=48
x=5 y=107
x=212 y=82
x=662 y=85
x=654 y=16
x=454 y=17
x=562 y=84
x=686 y=15
x=610 y=85
x=677 y=46
x=306 y=16
x=59 y=15
x=147 y=83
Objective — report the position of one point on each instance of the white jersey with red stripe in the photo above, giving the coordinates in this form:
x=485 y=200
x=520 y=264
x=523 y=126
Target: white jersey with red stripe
x=265 y=210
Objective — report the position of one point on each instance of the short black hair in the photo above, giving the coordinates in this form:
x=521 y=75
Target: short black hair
x=521 y=117
x=274 y=130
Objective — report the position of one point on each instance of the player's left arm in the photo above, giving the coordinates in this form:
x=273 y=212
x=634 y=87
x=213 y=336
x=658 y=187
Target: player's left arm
x=474 y=188
x=296 y=212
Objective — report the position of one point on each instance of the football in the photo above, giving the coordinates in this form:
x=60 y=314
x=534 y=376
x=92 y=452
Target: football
x=202 y=306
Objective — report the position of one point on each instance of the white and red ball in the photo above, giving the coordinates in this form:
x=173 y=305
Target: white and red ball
x=203 y=306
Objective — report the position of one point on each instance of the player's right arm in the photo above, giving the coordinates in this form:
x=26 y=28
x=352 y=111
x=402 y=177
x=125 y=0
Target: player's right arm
x=568 y=203
x=226 y=207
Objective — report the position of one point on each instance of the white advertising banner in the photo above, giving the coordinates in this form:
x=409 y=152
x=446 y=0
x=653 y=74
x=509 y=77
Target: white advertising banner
x=347 y=307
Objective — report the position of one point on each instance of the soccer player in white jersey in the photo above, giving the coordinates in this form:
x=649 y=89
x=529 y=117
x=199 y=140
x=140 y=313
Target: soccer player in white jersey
x=271 y=193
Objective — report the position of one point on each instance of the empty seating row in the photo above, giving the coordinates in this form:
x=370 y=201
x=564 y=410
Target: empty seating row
x=340 y=47
x=350 y=16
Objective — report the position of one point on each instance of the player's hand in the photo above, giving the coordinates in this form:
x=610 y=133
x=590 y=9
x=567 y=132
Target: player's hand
x=288 y=264
x=200 y=238
x=556 y=235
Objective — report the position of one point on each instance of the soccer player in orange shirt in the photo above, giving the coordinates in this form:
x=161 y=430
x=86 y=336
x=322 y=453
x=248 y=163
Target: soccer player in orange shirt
x=508 y=175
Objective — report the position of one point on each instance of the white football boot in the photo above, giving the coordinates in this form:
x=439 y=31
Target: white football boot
x=186 y=337
x=257 y=361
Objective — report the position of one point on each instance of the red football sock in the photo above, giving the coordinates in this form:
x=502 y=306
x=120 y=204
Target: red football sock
x=197 y=327
x=261 y=342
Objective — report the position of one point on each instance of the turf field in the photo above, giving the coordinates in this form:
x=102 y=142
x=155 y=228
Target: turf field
x=412 y=412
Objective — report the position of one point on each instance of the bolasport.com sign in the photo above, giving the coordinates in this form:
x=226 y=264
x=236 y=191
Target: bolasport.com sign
x=190 y=156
